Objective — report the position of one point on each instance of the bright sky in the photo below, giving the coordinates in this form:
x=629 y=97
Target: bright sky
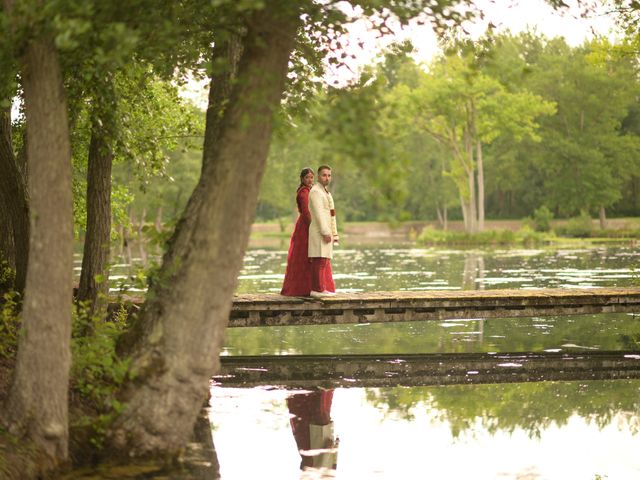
x=513 y=15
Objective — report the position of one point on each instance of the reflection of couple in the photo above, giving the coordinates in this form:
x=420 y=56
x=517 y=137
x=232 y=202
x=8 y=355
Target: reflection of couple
x=313 y=429
x=311 y=249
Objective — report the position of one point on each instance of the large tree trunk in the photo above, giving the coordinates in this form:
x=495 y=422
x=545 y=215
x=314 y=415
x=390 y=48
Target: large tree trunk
x=480 y=169
x=225 y=57
x=37 y=403
x=14 y=220
x=176 y=342
x=94 y=277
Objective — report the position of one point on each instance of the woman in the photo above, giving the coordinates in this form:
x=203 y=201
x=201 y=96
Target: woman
x=297 y=278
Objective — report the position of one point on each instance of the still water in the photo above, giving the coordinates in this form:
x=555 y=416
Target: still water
x=583 y=429
x=442 y=429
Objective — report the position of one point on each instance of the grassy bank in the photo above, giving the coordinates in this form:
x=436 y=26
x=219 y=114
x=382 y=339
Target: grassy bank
x=497 y=232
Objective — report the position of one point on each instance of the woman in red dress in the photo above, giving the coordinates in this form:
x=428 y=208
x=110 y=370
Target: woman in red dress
x=297 y=277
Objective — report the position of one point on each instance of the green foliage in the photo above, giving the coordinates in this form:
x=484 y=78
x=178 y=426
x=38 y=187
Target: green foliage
x=542 y=219
x=524 y=236
x=96 y=370
x=7 y=276
x=580 y=226
x=9 y=324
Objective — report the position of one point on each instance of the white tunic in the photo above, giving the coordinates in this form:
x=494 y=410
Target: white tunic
x=322 y=223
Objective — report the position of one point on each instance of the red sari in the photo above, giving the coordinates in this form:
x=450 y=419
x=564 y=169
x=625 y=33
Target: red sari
x=297 y=277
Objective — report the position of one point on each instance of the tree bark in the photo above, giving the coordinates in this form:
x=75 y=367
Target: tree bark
x=37 y=404
x=158 y=224
x=471 y=182
x=176 y=342
x=480 y=169
x=465 y=213
x=94 y=277
x=14 y=226
x=471 y=202
x=440 y=218
x=225 y=57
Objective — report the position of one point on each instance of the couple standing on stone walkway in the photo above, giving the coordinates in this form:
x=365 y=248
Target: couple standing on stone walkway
x=308 y=270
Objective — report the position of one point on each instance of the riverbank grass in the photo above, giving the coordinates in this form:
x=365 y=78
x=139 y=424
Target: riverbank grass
x=524 y=236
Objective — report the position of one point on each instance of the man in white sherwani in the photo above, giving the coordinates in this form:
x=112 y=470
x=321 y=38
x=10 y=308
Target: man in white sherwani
x=323 y=233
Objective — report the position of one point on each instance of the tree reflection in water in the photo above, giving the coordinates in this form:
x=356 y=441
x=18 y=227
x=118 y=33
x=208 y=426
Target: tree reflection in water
x=531 y=407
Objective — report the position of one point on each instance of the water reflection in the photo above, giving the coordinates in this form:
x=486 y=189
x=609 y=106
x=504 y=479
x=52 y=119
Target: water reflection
x=313 y=429
x=473 y=273
x=536 y=334
x=550 y=430
x=309 y=371
x=369 y=268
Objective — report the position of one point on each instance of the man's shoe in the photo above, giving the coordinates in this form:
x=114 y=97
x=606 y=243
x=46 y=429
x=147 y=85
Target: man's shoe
x=328 y=293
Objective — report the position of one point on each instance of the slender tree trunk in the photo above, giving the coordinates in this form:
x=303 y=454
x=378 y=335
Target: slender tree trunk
x=14 y=221
x=158 y=224
x=471 y=205
x=177 y=340
x=442 y=216
x=446 y=219
x=480 y=169
x=142 y=245
x=94 y=277
x=603 y=217
x=471 y=182
x=465 y=214
x=37 y=403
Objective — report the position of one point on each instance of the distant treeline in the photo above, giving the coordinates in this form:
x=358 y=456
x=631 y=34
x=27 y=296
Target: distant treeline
x=497 y=128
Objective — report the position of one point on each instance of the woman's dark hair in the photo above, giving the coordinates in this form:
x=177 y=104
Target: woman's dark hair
x=305 y=171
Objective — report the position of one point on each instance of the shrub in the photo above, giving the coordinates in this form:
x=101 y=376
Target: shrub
x=580 y=226
x=542 y=219
x=431 y=236
x=9 y=324
x=7 y=277
x=96 y=368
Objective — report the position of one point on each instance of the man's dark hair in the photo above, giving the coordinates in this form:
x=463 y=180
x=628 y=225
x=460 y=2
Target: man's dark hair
x=323 y=167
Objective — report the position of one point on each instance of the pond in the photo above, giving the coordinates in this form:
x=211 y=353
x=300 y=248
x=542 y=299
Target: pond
x=522 y=430
x=493 y=421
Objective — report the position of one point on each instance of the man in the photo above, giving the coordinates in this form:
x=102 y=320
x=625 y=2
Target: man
x=323 y=233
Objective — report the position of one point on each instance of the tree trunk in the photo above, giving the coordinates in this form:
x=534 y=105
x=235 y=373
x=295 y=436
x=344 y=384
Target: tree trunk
x=471 y=206
x=94 y=277
x=176 y=341
x=14 y=221
x=472 y=226
x=446 y=219
x=603 y=217
x=142 y=244
x=225 y=57
x=465 y=214
x=480 y=169
x=37 y=404
x=158 y=224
